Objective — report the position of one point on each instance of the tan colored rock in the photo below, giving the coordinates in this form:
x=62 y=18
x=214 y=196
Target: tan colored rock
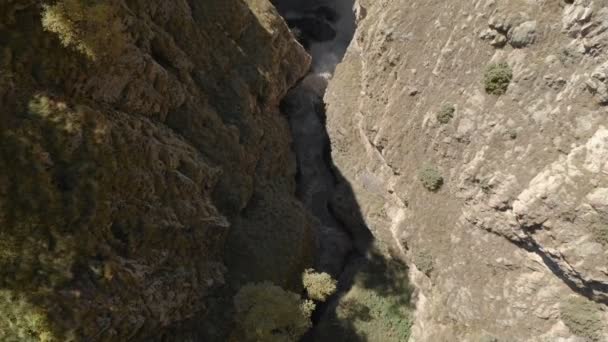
x=511 y=230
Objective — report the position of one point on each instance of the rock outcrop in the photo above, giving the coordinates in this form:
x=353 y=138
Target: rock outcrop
x=147 y=172
x=142 y=150
x=514 y=228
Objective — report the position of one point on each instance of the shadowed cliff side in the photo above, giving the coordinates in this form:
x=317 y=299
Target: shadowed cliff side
x=373 y=298
x=136 y=138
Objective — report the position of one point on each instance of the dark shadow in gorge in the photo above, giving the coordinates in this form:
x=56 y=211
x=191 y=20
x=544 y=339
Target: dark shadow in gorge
x=373 y=298
x=374 y=292
x=372 y=289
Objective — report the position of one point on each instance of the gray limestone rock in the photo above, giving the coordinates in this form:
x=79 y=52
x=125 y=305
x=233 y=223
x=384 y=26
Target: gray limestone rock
x=523 y=34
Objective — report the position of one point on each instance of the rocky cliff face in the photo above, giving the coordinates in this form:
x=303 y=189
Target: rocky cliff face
x=142 y=152
x=146 y=172
x=496 y=195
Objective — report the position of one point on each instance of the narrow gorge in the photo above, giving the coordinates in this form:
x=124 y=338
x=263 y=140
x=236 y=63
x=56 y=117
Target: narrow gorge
x=346 y=249
x=303 y=170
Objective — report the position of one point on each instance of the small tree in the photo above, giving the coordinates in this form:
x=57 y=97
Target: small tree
x=266 y=312
x=319 y=286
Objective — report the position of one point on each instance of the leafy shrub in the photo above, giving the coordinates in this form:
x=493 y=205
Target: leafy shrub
x=497 y=78
x=446 y=113
x=424 y=262
x=319 y=286
x=582 y=317
x=91 y=27
x=266 y=312
x=431 y=178
x=600 y=233
x=376 y=308
x=21 y=321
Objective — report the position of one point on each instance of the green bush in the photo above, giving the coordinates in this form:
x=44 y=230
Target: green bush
x=497 y=78
x=266 y=312
x=582 y=317
x=319 y=286
x=430 y=178
x=424 y=262
x=21 y=321
x=600 y=233
x=376 y=308
x=446 y=113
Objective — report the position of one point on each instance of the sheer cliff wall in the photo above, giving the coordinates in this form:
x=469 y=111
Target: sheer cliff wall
x=475 y=137
x=142 y=155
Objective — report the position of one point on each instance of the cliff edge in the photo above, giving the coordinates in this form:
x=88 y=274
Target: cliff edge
x=475 y=137
x=142 y=149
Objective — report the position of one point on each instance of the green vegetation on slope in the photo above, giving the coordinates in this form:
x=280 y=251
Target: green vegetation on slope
x=319 y=286
x=431 y=178
x=271 y=241
x=53 y=189
x=21 y=321
x=424 y=262
x=600 y=233
x=497 y=78
x=376 y=308
x=582 y=317
x=91 y=27
x=267 y=313
x=446 y=113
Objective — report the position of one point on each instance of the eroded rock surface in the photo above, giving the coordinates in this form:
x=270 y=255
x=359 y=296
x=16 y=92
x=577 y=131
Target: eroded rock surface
x=136 y=138
x=518 y=226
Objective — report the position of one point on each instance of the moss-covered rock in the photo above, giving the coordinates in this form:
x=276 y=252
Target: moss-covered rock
x=94 y=28
x=125 y=159
x=272 y=241
x=266 y=312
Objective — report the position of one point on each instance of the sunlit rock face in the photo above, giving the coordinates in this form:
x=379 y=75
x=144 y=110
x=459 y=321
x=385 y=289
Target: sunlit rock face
x=518 y=226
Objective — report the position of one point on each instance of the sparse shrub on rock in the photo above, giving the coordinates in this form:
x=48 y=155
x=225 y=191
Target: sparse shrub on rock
x=23 y=321
x=424 y=262
x=582 y=317
x=430 y=178
x=600 y=233
x=91 y=27
x=319 y=286
x=446 y=113
x=497 y=78
x=266 y=312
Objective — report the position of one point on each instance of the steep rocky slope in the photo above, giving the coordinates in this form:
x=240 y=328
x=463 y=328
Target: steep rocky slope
x=148 y=169
x=143 y=155
x=507 y=242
